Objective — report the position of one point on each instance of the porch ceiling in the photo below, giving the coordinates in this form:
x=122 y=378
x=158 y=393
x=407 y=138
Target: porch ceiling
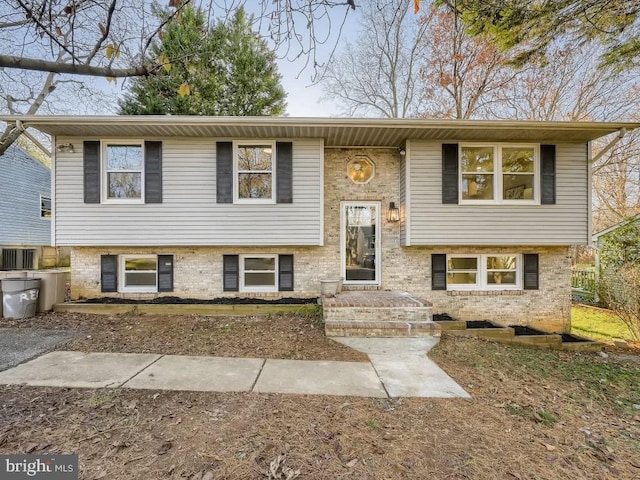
x=337 y=132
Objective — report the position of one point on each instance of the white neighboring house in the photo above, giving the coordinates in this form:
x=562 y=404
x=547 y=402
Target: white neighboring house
x=204 y=207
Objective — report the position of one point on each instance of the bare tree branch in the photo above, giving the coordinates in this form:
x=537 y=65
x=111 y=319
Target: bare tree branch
x=11 y=61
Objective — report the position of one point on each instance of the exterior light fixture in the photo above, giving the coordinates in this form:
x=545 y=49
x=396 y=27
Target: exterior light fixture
x=402 y=151
x=66 y=148
x=393 y=213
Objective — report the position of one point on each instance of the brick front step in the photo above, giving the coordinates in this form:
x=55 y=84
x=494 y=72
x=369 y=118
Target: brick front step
x=380 y=328
x=378 y=314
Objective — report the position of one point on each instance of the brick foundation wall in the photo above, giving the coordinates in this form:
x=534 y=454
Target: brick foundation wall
x=198 y=270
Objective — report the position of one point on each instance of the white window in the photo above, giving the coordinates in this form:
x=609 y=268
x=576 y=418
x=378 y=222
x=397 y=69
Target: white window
x=484 y=272
x=123 y=171
x=503 y=173
x=254 y=172
x=138 y=273
x=258 y=273
x=45 y=206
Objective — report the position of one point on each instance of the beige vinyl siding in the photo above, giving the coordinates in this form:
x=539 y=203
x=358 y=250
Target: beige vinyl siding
x=432 y=223
x=189 y=214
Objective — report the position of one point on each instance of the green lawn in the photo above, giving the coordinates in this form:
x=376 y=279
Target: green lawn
x=598 y=324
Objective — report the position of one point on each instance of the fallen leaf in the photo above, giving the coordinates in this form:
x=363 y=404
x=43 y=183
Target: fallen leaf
x=549 y=448
x=184 y=90
x=164 y=447
x=352 y=463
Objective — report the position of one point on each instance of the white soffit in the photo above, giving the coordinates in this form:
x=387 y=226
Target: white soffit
x=335 y=131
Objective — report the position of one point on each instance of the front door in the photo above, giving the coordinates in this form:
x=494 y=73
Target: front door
x=360 y=243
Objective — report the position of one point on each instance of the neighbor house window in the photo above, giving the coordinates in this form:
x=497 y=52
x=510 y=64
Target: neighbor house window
x=258 y=273
x=138 y=273
x=45 y=206
x=254 y=172
x=484 y=272
x=123 y=166
x=498 y=173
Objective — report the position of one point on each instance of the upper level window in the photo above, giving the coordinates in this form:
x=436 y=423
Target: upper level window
x=123 y=171
x=499 y=173
x=254 y=172
x=484 y=272
x=45 y=206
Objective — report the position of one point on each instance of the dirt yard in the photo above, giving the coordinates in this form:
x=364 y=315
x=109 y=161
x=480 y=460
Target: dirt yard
x=534 y=414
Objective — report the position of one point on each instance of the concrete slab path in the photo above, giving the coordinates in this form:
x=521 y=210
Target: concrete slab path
x=201 y=374
x=80 y=370
x=398 y=368
x=320 y=378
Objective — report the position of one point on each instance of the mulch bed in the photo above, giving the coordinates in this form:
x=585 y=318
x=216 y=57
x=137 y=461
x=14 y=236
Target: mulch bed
x=286 y=336
x=197 y=301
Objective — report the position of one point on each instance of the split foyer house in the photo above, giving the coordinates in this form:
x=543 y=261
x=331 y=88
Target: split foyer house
x=475 y=217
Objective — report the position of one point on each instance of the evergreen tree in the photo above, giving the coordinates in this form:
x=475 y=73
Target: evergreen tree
x=225 y=70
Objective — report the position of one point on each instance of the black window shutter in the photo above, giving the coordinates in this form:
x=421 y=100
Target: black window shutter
x=224 y=172
x=153 y=172
x=109 y=273
x=165 y=273
x=284 y=172
x=548 y=170
x=449 y=173
x=230 y=273
x=285 y=273
x=531 y=271
x=91 y=165
x=438 y=271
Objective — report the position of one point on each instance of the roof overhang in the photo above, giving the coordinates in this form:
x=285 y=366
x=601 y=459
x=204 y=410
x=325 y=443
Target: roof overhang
x=336 y=132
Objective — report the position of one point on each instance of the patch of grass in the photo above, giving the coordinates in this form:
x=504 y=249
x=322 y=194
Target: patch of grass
x=372 y=424
x=598 y=324
x=611 y=382
x=100 y=398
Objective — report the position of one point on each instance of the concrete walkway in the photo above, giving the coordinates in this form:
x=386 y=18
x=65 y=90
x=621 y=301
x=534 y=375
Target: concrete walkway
x=398 y=368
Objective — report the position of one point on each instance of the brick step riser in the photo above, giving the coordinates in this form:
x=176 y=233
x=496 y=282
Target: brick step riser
x=381 y=329
x=406 y=314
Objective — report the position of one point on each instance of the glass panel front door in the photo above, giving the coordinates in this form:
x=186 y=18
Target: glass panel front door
x=360 y=242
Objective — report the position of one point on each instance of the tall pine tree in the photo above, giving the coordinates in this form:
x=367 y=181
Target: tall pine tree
x=225 y=70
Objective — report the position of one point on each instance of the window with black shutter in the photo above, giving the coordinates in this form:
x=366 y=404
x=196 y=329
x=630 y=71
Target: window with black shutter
x=531 y=269
x=230 y=273
x=92 y=172
x=285 y=273
x=438 y=271
x=109 y=273
x=449 y=173
x=153 y=172
x=548 y=172
x=165 y=273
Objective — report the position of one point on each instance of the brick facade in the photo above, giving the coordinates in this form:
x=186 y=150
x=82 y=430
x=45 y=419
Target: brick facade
x=198 y=270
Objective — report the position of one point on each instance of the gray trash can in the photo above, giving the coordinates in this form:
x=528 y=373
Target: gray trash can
x=9 y=274
x=20 y=297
